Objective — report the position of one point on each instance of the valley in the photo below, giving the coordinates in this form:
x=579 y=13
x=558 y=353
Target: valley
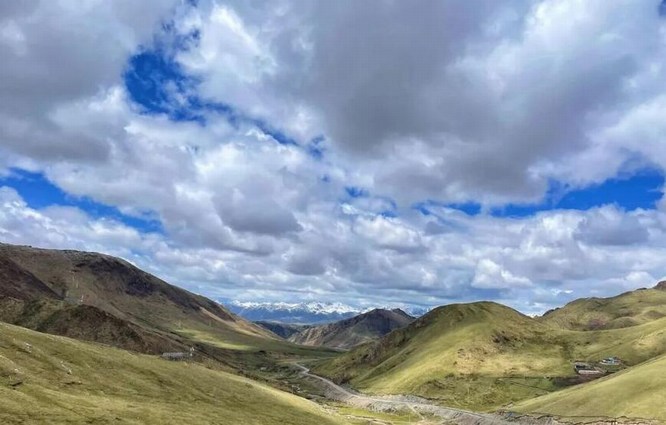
x=89 y=330
x=486 y=357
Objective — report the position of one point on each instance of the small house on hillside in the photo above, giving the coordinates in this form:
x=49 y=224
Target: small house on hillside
x=583 y=368
x=611 y=361
x=179 y=355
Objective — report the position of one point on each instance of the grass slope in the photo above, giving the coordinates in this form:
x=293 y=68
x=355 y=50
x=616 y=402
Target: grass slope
x=482 y=356
x=53 y=379
x=456 y=354
x=625 y=310
x=638 y=392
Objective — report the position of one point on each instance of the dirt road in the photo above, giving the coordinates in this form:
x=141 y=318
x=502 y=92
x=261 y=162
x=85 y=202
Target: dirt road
x=334 y=391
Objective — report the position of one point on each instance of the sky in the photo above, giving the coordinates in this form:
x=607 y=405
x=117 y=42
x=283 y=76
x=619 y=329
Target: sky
x=373 y=153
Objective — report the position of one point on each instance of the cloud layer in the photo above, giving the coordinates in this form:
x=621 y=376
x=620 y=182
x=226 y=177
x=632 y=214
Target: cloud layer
x=332 y=140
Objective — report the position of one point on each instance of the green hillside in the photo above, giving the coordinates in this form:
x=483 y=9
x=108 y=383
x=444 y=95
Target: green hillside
x=482 y=356
x=457 y=354
x=53 y=379
x=625 y=310
x=638 y=392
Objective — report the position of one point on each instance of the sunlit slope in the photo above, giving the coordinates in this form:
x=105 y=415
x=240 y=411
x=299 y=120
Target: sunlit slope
x=638 y=392
x=52 y=379
x=485 y=355
x=625 y=310
x=455 y=354
x=633 y=345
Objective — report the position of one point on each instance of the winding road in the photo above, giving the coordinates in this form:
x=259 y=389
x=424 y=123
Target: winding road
x=334 y=391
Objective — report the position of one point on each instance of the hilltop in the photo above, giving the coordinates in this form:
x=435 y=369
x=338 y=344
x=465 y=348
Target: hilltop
x=283 y=330
x=304 y=313
x=624 y=310
x=354 y=331
x=294 y=313
x=455 y=354
x=484 y=355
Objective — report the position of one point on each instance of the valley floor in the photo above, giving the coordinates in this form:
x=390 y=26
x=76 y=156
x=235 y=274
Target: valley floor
x=419 y=407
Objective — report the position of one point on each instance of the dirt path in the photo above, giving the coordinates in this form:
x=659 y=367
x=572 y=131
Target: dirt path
x=334 y=391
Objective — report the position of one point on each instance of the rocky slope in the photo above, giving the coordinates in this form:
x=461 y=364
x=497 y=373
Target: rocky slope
x=101 y=298
x=283 y=330
x=354 y=331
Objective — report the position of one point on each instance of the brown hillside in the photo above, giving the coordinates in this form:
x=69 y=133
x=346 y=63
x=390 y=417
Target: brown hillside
x=354 y=331
x=97 y=297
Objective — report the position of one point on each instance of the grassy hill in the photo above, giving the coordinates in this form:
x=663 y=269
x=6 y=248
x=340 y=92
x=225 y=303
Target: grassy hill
x=457 y=354
x=354 y=331
x=53 y=379
x=484 y=355
x=96 y=297
x=625 y=310
x=638 y=392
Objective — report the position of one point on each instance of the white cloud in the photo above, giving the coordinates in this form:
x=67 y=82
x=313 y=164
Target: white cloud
x=61 y=52
x=490 y=275
x=388 y=233
x=458 y=101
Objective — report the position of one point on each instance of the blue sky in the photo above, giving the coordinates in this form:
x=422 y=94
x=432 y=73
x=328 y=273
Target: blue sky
x=38 y=192
x=248 y=156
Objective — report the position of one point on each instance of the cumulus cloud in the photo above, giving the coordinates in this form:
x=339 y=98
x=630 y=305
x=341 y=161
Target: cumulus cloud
x=457 y=101
x=489 y=274
x=608 y=226
x=58 y=52
x=407 y=104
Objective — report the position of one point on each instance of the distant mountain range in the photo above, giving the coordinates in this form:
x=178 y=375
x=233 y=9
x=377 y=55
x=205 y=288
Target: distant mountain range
x=303 y=313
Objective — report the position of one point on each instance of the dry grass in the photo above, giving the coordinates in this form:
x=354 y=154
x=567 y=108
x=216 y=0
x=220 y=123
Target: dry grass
x=639 y=392
x=51 y=379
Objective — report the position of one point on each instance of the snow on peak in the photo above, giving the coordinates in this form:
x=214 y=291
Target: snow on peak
x=310 y=307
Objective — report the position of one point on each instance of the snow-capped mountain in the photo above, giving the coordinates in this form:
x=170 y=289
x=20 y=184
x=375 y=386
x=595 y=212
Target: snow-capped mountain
x=302 y=313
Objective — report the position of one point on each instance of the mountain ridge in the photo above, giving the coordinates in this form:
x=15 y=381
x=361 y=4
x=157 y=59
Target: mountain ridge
x=305 y=313
x=490 y=353
x=66 y=291
x=353 y=331
x=624 y=310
